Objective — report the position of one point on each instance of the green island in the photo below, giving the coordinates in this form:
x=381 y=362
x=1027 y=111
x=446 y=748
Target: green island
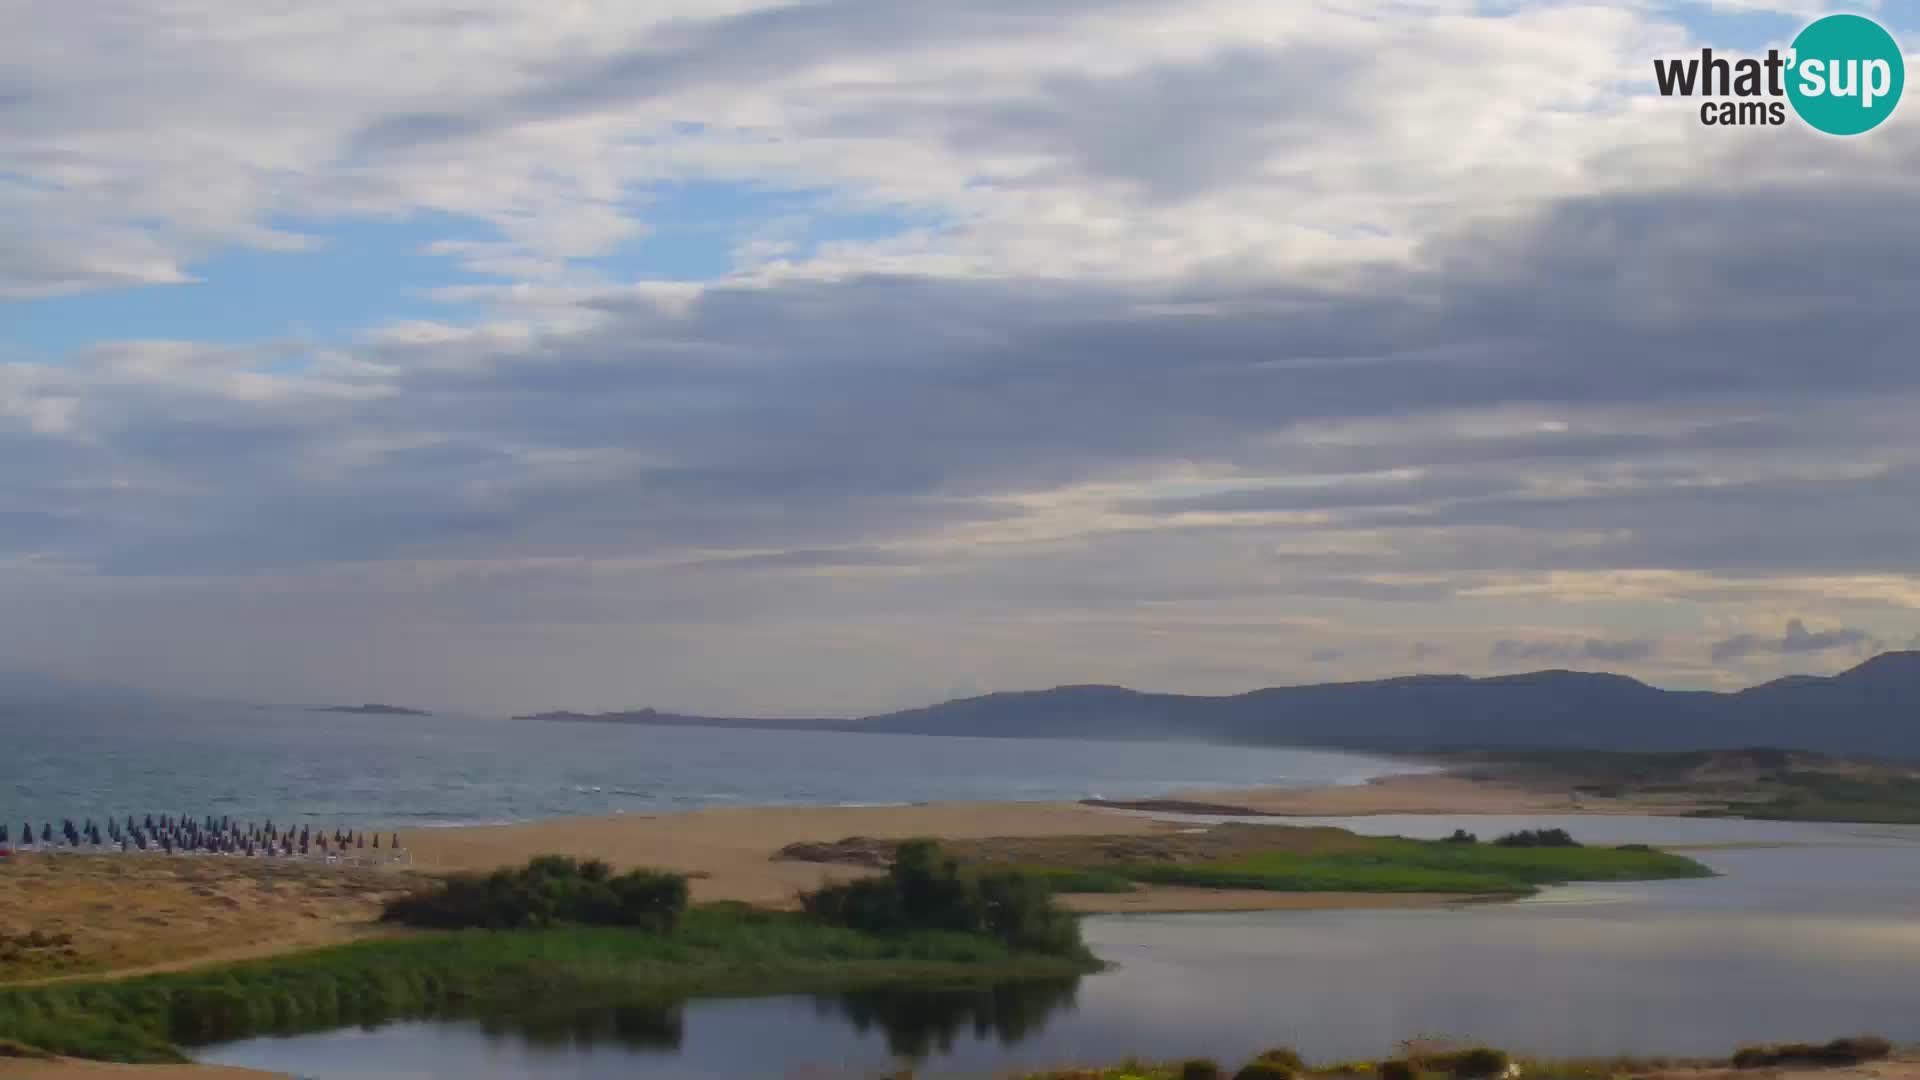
x=1298 y=859
x=1394 y=865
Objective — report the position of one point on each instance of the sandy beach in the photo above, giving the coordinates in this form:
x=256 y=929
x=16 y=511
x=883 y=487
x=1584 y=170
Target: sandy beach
x=729 y=850
x=192 y=911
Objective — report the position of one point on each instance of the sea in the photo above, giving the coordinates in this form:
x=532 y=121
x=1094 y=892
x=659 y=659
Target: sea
x=364 y=771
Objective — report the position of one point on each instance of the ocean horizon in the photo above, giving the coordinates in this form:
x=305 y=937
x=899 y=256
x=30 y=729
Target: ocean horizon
x=367 y=771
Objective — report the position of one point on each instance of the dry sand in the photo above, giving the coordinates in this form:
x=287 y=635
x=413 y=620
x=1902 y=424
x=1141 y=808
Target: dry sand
x=63 y=916
x=729 y=851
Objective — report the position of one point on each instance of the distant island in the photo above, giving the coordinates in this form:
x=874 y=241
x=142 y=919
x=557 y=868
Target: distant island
x=1873 y=708
x=371 y=709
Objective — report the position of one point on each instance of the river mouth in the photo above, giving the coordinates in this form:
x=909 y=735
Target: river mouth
x=1813 y=931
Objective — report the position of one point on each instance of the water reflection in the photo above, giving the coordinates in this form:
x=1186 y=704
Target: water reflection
x=646 y=1028
x=919 y=1023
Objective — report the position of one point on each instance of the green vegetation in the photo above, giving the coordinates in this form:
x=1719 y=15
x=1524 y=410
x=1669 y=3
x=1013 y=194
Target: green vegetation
x=1821 y=796
x=709 y=950
x=1553 y=838
x=1397 y=865
x=551 y=890
x=1850 y=1051
x=925 y=889
x=1482 y=1063
x=1762 y=782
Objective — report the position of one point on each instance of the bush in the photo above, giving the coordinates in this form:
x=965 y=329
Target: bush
x=1397 y=1070
x=1529 y=838
x=550 y=890
x=926 y=890
x=1462 y=836
x=1200 y=1069
x=1258 y=1069
x=1848 y=1051
x=1473 y=1063
x=1284 y=1056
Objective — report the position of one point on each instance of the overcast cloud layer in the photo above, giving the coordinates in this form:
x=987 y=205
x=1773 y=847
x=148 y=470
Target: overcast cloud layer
x=1211 y=345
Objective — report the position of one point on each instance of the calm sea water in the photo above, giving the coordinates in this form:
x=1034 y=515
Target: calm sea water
x=1814 y=938
x=350 y=770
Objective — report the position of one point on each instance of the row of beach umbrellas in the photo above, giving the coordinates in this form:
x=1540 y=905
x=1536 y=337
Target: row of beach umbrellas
x=184 y=835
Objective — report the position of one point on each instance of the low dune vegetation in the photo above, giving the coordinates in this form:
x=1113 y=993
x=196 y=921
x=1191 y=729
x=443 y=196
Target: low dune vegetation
x=926 y=889
x=550 y=890
x=1286 y=859
x=559 y=931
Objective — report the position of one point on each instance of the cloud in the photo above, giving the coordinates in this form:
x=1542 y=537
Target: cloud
x=1175 y=370
x=1797 y=640
x=1617 y=651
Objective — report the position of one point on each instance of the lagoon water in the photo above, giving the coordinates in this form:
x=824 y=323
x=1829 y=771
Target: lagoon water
x=1811 y=934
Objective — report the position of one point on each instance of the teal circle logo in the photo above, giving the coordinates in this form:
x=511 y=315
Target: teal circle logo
x=1846 y=75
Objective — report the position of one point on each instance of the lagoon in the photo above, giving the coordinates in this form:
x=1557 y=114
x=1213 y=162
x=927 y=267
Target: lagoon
x=1812 y=932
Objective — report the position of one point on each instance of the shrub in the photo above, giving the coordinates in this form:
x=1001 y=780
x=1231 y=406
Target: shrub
x=1200 y=1069
x=1285 y=1056
x=1473 y=1063
x=1462 y=836
x=1529 y=838
x=1848 y=1051
x=926 y=890
x=1263 y=1070
x=549 y=890
x=1397 y=1070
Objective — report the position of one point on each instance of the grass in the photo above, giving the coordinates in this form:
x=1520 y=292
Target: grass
x=1075 y=879
x=716 y=950
x=1398 y=865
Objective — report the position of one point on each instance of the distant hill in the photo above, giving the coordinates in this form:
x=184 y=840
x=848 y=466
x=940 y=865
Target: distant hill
x=371 y=710
x=1870 y=709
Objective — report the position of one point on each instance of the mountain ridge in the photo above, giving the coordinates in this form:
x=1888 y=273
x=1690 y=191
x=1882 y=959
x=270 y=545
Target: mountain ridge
x=1871 y=708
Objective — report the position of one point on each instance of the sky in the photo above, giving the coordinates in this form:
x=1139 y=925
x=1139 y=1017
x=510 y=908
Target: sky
x=842 y=355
